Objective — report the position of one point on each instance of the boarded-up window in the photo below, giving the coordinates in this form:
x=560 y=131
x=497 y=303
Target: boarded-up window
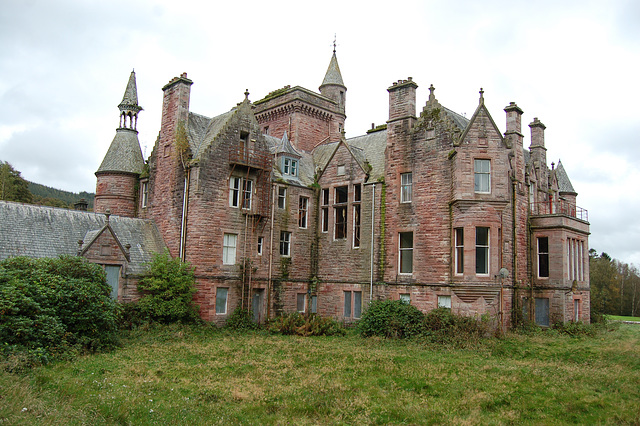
x=542 y=311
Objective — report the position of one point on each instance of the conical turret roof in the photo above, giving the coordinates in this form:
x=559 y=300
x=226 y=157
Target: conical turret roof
x=333 y=75
x=130 y=98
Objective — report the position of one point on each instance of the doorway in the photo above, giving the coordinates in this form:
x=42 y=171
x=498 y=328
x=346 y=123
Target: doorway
x=113 y=279
x=257 y=303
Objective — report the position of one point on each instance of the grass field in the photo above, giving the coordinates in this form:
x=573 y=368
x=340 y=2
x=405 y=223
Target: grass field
x=183 y=376
x=619 y=318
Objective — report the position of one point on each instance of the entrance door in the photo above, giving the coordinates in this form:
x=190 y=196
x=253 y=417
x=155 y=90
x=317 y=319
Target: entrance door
x=257 y=302
x=113 y=279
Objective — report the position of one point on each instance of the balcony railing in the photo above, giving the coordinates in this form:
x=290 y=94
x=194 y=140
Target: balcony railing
x=560 y=207
x=250 y=158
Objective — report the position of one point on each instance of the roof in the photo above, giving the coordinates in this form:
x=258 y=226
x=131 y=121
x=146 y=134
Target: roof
x=333 y=75
x=202 y=131
x=39 y=231
x=372 y=146
x=130 y=98
x=306 y=165
x=564 y=184
x=124 y=154
x=460 y=121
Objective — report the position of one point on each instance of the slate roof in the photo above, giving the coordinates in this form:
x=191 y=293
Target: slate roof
x=130 y=98
x=564 y=184
x=373 y=146
x=460 y=121
x=124 y=154
x=306 y=166
x=333 y=75
x=38 y=231
x=202 y=131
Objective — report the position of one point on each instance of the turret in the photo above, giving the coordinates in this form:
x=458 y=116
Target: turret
x=118 y=174
x=332 y=86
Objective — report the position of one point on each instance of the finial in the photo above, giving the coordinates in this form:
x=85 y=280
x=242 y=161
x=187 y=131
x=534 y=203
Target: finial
x=107 y=213
x=334 y=42
x=246 y=94
x=432 y=89
x=481 y=96
x=552 y=165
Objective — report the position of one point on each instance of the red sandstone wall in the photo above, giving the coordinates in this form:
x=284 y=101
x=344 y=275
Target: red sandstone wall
x=116 y=192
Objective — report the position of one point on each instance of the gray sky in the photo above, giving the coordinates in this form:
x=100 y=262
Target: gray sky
x=574 y=64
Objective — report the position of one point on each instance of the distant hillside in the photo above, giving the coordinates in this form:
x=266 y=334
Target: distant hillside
x=47 y=196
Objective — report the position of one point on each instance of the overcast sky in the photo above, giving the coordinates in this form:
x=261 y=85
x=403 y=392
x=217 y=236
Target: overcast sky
x=574 y=64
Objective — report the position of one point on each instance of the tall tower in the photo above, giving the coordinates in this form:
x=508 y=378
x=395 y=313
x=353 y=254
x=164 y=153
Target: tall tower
x=121 y=168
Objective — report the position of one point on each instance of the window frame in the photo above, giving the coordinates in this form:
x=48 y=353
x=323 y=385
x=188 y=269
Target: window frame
x=406 y=187
x=289 y=166
x=352 y=307
x=303 y=212
x=240 y=192
x=480 y=176
x=229 y=250
x=260 y=245
x=444 y=301
x=341 y=213
x=225 y=291
x=282 y=197
x=357 y=211
x=543 y=257
x=459 y=251
x=301 y=297
x=285 y=243
x=404 y=251
x=483 y=248
x=144 y=198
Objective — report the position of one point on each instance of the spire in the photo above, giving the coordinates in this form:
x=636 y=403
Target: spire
x=333 y=75
x=129 y=107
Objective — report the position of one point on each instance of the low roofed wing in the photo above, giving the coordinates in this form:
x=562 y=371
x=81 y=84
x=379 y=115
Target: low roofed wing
x=38 y=231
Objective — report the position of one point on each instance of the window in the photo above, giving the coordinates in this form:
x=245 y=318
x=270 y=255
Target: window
x=459 y=253
x=260 y=245
x=265 y=130
x=543 y=257
x=482 y=251
x=340 y=210
x=542 y=311
x=444 y=302
x=290 y=166
x=357 y=197
x=145 y=194
x=302 y=212
x=482 y=175
x=301 y=302
x=236 y=185
x=352 y=304
x=576 y=310
x=234 y=191
x=285 y=243
x=405 y=298
x=406 y=182
x=314 y=304
x=341 y=170
x=325 y=210
x=282 y=197
x=221 y=300
x=246 y=193
x=406 y=252
x=229 y=249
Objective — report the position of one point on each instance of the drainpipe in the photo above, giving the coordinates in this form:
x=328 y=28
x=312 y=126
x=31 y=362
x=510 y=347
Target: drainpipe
x=373 y=211
x=185 y=207
x=273 y=206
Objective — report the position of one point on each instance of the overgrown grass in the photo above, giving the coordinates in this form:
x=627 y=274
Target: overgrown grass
x=201 y=375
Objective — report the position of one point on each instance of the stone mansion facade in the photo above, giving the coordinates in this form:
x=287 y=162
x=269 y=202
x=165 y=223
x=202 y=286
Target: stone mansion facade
x=279 y=212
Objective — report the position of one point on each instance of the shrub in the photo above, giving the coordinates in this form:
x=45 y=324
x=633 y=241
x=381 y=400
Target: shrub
x=391 y=319
x=48 y=306
x=442 y=326
x=296 y=323
x=576 y=329
x=241 y=319
x=167 y=291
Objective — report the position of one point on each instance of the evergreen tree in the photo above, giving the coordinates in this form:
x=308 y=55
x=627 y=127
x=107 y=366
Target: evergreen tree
x=12 y=186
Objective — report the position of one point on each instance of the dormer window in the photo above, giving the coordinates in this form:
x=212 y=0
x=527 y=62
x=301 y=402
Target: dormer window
x=290 y=167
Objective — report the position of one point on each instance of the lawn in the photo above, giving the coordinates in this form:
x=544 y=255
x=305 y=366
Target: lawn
x=179 y=375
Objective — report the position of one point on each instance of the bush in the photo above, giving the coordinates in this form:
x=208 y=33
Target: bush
x=442 y=326
x=391 y=319
x=50 y=305
x=167 y=291
x=241 y=319
x=576 y=329
x=296 y=323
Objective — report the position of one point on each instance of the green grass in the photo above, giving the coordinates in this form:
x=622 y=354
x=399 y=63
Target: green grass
x=621 y=318
x=186 y=376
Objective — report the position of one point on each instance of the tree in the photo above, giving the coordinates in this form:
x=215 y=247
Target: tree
x=167 y=291
x=12 y=186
